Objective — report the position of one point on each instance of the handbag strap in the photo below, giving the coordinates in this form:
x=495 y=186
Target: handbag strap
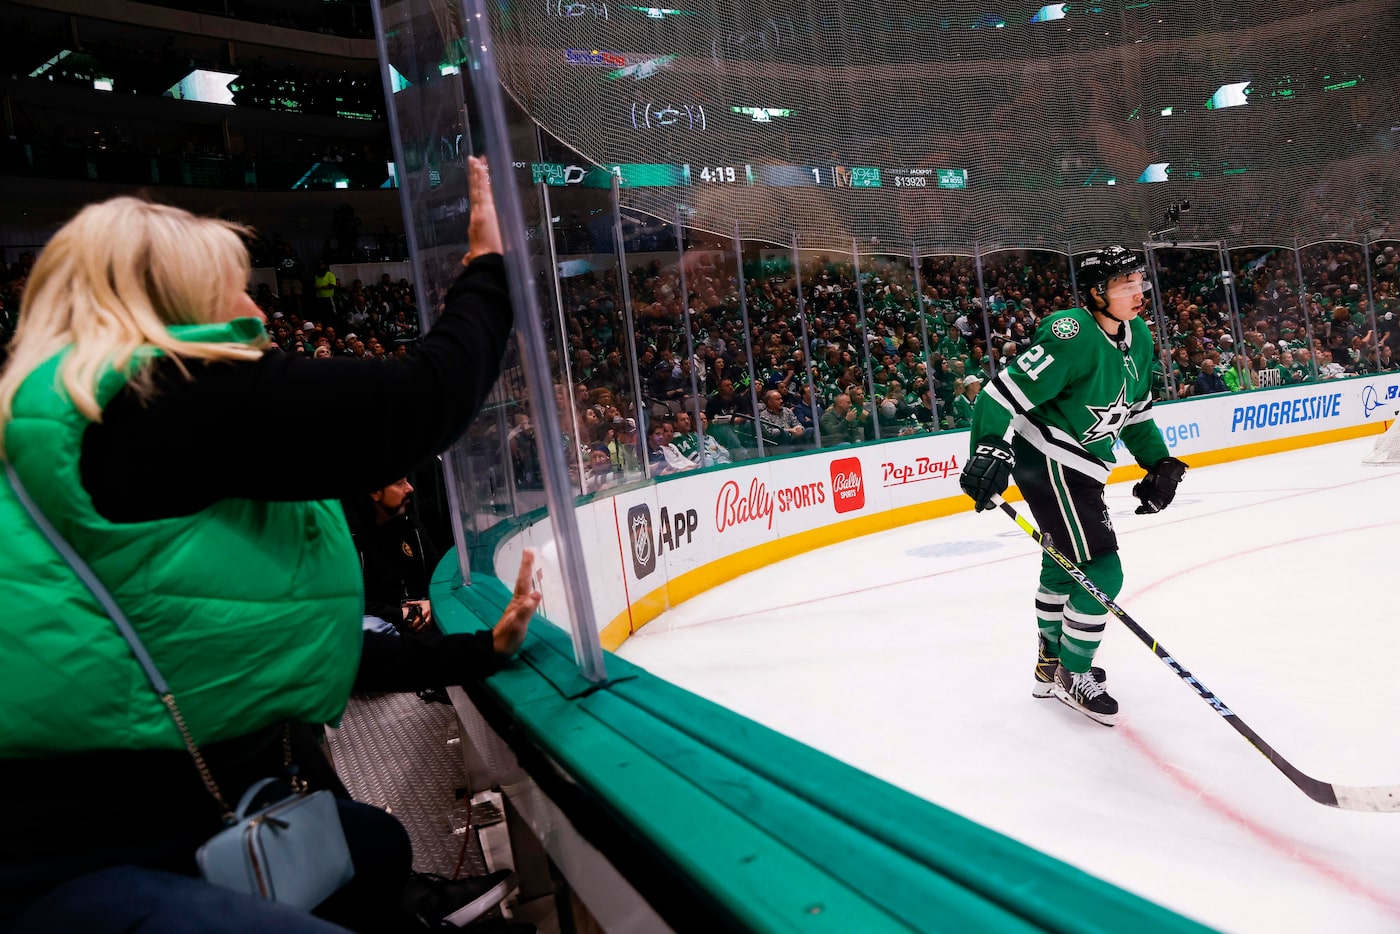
x=138 y=649
x=245 y=803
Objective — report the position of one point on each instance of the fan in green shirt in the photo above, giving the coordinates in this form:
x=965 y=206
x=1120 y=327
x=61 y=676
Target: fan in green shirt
x=1238 y=376
x=964 y=400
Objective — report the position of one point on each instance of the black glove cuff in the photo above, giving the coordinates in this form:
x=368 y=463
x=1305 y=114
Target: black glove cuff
x=996 y=448
x=1169 y=468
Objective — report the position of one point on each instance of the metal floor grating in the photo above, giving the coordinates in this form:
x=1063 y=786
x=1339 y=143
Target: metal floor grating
x=397 y=752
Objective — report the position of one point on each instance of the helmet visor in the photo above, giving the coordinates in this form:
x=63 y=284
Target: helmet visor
x=1129 y=285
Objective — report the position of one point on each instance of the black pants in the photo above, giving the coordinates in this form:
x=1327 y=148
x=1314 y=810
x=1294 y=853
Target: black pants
x=1068 y=506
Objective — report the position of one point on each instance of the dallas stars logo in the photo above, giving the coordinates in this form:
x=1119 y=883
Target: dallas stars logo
x=1065 y=328
x=1108 y=419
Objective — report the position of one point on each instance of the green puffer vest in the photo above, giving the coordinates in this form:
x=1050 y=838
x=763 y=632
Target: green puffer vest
x=252 y=611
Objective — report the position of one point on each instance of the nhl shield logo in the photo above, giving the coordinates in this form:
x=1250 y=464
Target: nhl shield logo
x=643 y=542
x=1065 y=328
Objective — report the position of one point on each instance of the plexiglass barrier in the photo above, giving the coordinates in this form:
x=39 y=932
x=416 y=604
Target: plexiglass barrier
x=667 y=346
x=523 y=453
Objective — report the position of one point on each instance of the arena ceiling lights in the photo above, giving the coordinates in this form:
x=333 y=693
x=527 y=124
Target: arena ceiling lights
x=207 y=87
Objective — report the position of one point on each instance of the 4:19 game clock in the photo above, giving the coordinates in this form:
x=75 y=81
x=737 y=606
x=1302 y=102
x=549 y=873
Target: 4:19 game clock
x=719 y=174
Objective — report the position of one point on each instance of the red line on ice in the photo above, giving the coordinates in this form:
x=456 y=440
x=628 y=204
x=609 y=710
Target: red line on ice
x=1285 y=846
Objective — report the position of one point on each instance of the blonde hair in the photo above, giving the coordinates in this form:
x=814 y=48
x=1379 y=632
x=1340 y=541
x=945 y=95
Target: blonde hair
x=108 y=284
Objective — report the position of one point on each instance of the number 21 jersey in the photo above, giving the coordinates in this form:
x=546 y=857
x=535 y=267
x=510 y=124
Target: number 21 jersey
x=1074 y=391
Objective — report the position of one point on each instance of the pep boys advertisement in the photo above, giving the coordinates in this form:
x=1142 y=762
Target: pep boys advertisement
x=763 y=500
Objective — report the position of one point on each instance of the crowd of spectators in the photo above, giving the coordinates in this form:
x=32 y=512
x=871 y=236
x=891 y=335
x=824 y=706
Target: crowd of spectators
x=1284 y=334
x=755 y=391
x=191 y=156
x=844 y=379
x=315 y=314
x=311 y=311
x=274 y=86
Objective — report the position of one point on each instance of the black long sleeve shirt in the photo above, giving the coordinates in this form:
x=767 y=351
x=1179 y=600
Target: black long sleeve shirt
x=287 y=428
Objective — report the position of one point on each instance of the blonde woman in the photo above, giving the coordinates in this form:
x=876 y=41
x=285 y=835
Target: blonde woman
x=196 y=475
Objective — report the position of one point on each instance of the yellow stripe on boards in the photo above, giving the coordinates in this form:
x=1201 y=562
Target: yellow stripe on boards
x=619 y=630
x=726 y=569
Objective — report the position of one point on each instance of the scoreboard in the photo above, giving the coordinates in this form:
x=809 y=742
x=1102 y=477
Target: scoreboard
x=819 y=176
x=720 y=173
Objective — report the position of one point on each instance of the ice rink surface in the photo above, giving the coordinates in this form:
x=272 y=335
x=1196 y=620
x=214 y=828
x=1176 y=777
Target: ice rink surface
x=1274 y=580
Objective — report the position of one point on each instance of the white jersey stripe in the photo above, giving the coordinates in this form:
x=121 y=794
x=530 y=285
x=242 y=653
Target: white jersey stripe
x=1085 y=463
x=1080 y=539
x=1144 y=416
x=1062 y=502
x=1013 y=392
x=994 y=393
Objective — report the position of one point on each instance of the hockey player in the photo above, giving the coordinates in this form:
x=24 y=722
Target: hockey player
x=1052 y=416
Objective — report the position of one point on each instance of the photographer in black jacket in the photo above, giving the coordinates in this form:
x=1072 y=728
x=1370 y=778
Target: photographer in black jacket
x=403 y=651
x=397 y=557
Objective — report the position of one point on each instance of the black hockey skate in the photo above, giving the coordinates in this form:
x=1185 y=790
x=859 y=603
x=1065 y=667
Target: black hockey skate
x=1085 y=694
x=1046 y=661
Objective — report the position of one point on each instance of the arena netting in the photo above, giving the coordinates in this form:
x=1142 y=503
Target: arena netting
x=971 y=121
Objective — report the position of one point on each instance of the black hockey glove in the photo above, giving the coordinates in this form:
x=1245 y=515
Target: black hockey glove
x=987 y=472
x=1158 y=488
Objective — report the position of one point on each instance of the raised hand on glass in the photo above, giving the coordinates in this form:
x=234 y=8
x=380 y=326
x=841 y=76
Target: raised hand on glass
x=509 y=632
x=484 y=232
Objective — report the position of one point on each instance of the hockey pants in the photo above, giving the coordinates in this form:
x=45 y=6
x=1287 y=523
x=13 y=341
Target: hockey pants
x=1069 y=508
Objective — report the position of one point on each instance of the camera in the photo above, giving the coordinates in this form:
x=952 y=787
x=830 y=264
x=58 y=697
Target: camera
x=1175 y=210
x=1170 y=217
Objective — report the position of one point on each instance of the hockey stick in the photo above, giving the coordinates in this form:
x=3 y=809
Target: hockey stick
x=1351 y=798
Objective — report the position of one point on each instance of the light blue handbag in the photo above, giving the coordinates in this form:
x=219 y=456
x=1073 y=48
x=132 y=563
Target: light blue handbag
x=292 y=851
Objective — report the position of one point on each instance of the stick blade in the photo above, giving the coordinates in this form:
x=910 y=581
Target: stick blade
x=1385 y=798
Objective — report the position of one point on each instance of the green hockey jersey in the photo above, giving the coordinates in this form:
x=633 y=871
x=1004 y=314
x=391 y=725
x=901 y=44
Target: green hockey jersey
x=1073 y=392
